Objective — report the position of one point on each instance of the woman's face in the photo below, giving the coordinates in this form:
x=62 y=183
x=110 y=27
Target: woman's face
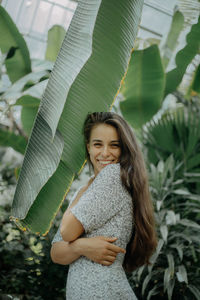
x=104 y=146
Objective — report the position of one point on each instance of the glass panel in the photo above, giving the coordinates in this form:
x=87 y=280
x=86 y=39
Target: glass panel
x=37 y=48
x=62 y=2
x=168 y=5
x=144 y=34
x=26 y=15
x=68 y=18
x=41 y=17
x=57 y=16
x=13 y=10
x=72 y=5
x=4 y=2
x=155 y=21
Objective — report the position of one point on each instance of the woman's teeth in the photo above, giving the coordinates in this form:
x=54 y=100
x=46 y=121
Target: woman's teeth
x=105 y=162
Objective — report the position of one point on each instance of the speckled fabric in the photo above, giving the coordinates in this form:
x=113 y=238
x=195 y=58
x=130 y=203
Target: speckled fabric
x=105 y=208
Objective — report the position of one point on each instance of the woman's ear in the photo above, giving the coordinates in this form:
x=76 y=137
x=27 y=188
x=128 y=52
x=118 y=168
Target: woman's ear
x=88 y=148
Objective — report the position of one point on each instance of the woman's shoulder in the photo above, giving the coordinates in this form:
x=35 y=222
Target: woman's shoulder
x=110 y=171
x=110 y=175
x=109 y=179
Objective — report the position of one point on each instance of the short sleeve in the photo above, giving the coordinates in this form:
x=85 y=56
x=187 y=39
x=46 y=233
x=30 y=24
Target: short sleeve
x=102 y=200
x=57 y=236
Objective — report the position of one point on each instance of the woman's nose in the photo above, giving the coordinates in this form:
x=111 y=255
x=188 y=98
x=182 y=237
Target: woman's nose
x=105 y=151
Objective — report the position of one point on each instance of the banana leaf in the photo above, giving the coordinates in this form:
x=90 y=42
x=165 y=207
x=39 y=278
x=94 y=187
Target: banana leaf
x=143 y=86
x=183 y=59
x=86 y=77
x=18 y=62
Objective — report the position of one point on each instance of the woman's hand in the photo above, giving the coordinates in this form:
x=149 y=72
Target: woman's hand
x=99 y=249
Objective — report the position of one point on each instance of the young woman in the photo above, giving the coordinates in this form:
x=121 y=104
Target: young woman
x=113 y=212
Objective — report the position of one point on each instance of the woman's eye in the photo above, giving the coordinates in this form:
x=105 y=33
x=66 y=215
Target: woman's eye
x=97 y=144
x=115 y=145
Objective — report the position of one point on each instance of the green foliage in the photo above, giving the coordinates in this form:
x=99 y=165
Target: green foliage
x=55 y=38
x=10 y=139
x=12 y=43
x=172 y=146
x=85 y=78
x=26 y=268
x=29 y=110
x=143 y=86
x=172 y=37
x=183 y=59
x=175 y=266
x=195 y=87
x=146 y=83
x=177 y=132
x=28 y=87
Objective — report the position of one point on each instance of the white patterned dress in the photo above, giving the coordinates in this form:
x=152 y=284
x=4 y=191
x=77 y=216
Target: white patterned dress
x=105 y=208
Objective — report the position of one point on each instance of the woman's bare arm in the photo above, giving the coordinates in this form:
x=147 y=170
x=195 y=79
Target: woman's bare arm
x=71 y=228
x=98 y=249
x=64 y=253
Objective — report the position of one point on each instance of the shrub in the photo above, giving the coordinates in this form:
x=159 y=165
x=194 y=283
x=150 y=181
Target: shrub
x=175 y=269
x=27 y=271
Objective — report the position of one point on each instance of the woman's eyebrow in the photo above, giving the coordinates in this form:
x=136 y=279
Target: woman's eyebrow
x=114 y=141
x=96 y=140
x=100 y=141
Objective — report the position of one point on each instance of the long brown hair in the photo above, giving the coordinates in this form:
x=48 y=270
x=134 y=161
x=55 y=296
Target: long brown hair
x=143 y=241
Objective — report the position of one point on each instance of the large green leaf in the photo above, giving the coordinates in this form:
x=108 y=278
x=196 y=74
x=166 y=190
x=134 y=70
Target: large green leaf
x=10 y=139
x=18 y=61
x=143 y=86
x=55 y=38
x=172 y=37
x=86 y=77
x=183 y=59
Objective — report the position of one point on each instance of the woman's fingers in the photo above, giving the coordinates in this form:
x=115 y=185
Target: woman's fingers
x=112 y=247
x=110 y=239
x=116 y=249
x=106 y=263
x=111 y=258
x=111 y=253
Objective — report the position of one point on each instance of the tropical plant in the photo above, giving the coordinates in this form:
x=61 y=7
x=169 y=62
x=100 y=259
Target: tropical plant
x=17 y=58
x=175 y=266
x=149 y=79
x=143 y=87
x=177 y=132
x=22 y=81
x=86 y=77
x=183 y=59
x=27 y=272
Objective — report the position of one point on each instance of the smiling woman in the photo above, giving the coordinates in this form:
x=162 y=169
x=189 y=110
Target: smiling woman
x=113 y=212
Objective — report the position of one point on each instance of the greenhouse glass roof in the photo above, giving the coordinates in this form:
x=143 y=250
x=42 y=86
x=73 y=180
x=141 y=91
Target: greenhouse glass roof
x=35 y=17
